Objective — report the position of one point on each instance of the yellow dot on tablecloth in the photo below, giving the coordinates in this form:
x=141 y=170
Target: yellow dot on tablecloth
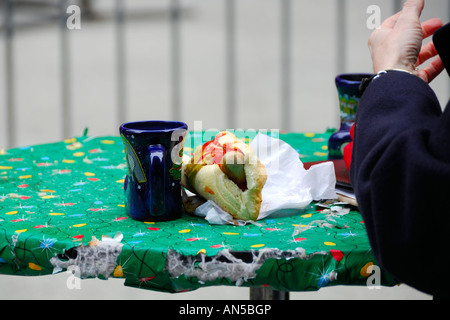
x=308 y=215
x=68 y=161
x=48 y=190
x=320 y=154
x=367 y=269
x=327 y=243
x=71 y=140
x=108 y=141
x=5 y=167
x=78 y=154
x=201 y=251
x=56 y=214
x=120 y=181
x=28 y=176
x=324 y=147
x=309 y=134
x=259 y=245
x=79 y=225
x=11 y=212
x=89 y=174
x=149 y=222
x=34 y=266
x=123 y=206
x=231 y=233
x=48 y=197
x=20 y=230
x=295 y=225
x=118 y=271
x=184 y=231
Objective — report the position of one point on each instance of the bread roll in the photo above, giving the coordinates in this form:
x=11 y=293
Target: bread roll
x=227 y=171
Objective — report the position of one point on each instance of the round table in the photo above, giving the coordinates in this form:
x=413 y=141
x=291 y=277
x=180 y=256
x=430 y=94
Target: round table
x=62 y=208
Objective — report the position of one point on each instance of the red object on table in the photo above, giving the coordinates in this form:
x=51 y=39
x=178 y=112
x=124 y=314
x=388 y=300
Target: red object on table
x=348 y=149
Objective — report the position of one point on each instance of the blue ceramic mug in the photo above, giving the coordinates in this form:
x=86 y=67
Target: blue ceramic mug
x=349 y=95
x=154 y=151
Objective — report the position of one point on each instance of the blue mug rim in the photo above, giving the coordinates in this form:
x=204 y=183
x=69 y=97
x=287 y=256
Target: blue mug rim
x=148 y=126
x=352 y=78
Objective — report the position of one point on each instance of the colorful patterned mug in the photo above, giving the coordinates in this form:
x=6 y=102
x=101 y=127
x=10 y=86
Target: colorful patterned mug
x=349 y=95
x=154 y=151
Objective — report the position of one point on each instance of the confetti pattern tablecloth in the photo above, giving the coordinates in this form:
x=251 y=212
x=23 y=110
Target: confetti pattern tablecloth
x=62 y=208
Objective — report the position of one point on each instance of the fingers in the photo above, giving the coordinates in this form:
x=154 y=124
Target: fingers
x=430 y=26
x=428 y=51
x=434 y=68
x=409 y=16
x=431 y=71
x=413 y=7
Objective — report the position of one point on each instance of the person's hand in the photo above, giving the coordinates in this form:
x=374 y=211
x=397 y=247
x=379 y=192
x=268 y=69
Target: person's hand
x=397 y=44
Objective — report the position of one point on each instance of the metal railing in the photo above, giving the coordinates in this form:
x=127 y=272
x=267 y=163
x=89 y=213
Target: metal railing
x=174 y=7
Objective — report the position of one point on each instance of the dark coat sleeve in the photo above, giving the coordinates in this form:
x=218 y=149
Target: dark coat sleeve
x=400 y=171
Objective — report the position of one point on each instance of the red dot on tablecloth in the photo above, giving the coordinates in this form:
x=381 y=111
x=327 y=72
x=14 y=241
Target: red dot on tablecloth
x=93 y=179
x=39 y=226
x=121 y=218
x=43 y=164
x=80 y=236
x=217 y=246
x=17 y=220
x=145 y=279
x=22 y=186
x=24 y=197
x=192 y=239
x=153 y=228
x=299 y=239
x=337 y=254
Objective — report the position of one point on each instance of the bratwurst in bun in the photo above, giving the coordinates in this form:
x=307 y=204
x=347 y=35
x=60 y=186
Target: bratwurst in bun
x=227 y=171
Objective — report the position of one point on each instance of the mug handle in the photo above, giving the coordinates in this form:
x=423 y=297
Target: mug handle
x=156 y=184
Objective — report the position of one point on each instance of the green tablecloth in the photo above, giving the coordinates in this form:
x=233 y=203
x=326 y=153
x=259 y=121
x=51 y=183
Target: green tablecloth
x=62 y=208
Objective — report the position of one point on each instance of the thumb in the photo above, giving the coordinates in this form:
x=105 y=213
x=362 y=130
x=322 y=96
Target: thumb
x=413 y=7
